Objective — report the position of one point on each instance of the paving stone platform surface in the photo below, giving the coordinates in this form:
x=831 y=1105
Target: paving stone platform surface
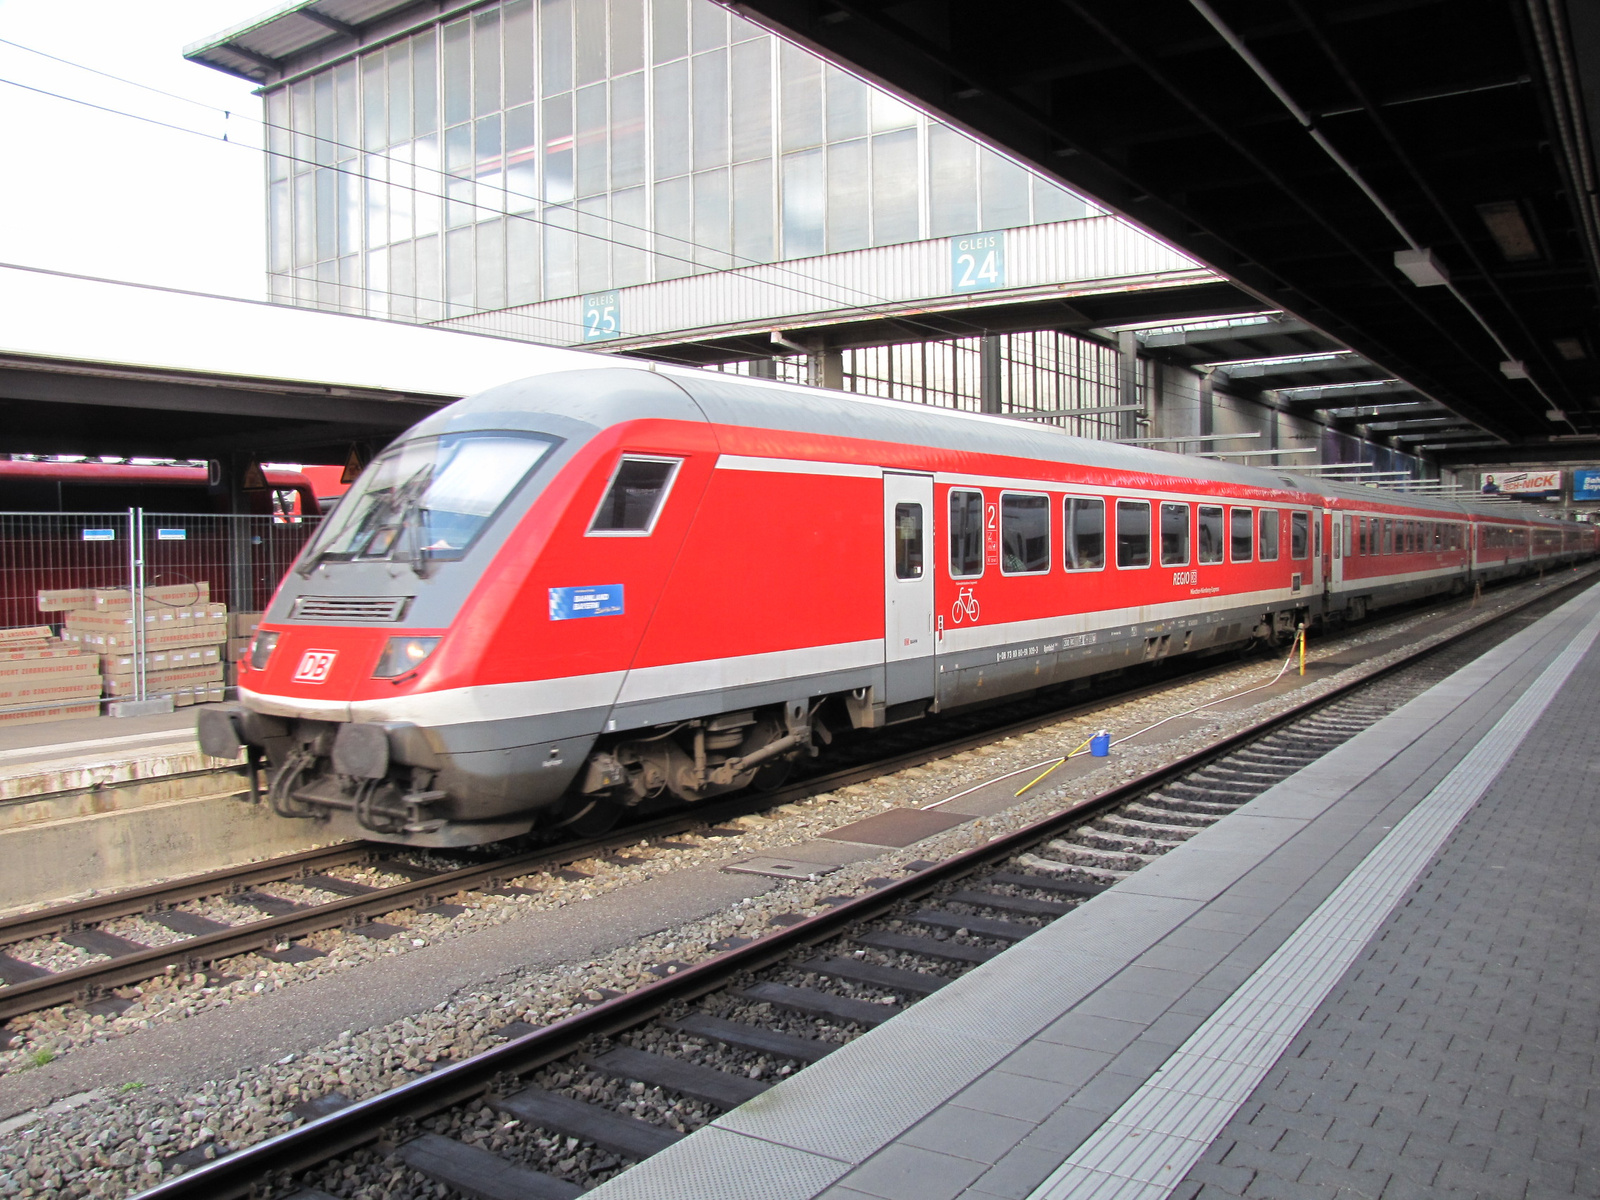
x=1380 y=979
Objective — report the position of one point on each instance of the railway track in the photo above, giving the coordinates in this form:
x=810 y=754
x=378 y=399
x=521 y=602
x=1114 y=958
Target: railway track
x=359 y=907
x=557 y=1109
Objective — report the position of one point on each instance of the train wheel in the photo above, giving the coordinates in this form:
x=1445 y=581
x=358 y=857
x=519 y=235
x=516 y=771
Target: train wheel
x=592 y=819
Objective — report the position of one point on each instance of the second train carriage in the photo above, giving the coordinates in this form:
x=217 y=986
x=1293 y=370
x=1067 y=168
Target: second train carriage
x=602 y=589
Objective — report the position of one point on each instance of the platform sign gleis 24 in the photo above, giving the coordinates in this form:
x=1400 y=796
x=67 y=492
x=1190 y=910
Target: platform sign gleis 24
x=602 y=317
x=978 y=262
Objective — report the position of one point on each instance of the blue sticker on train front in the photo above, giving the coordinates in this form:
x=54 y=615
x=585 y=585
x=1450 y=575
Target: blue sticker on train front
x=569 y=602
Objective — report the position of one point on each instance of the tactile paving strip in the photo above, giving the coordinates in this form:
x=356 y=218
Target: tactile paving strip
x=1147 y=1146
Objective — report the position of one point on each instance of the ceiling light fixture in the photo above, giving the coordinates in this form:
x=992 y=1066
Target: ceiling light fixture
x=1422 y=267
x=1570 y=348
x=1509 y=229
x=1513 y=368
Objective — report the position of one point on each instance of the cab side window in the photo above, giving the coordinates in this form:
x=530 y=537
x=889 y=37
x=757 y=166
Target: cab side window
x=635 y=495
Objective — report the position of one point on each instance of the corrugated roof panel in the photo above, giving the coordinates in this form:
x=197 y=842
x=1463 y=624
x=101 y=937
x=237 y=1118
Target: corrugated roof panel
x=285 y=31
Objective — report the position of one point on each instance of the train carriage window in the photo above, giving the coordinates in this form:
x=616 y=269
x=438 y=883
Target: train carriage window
x=1174 y=535
x=1241 y=534
x=966 y=534
x=908 y=541
x=634 y=498
x=1438 y=536
x=1133 y=533
x=1362 y=522
x=1210 y=533
x=1024 y=534
x=1316 y=536
x=1388 y=537
x=1299 y=526
x=1269 y=535
x=1085 y=523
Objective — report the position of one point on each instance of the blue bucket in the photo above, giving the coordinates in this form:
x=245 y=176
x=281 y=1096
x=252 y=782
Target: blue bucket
x=1100 y=745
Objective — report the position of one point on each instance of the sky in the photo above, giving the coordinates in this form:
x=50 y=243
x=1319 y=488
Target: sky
x=94 y=193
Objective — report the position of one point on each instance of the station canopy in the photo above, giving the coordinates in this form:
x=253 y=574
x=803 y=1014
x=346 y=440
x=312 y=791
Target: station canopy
x=97 y=367
x=1411 y=187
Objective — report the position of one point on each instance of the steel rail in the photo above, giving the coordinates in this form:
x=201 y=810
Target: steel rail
x=62 y=918
x=237 y=1174
x=94 y=979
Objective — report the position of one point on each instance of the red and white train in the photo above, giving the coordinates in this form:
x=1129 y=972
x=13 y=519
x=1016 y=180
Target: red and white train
x=607 y=588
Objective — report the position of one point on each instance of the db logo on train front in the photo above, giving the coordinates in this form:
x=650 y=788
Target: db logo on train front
x=314 y=667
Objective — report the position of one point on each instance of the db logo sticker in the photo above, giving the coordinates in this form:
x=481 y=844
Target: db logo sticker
x=314 y=667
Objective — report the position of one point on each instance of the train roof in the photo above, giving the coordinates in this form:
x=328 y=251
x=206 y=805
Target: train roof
x=592 y=400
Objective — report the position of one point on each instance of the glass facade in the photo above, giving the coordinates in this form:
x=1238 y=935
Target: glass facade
x=534 y=149
x=1043 y=371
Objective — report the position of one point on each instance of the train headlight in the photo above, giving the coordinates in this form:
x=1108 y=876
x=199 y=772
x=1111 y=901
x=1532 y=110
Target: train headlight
x=404 y=654
x=261 y=649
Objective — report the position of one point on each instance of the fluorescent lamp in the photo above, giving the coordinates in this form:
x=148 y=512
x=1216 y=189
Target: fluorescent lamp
x=1513 y=368
x=1509 y=229
x=1421 y=267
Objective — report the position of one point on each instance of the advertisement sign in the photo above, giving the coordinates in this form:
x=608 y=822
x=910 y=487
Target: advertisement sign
x=566 y=603
x=1586 y=483
x=1522 y=483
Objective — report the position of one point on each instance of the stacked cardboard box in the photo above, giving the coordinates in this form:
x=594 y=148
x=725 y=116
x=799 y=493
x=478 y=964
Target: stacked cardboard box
x=182 y=638
x=45 y=679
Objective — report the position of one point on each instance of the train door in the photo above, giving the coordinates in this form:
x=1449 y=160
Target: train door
x=1334 y=550
x=908 y=640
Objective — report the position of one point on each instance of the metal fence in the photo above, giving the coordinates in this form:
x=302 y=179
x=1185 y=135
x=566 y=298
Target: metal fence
x=240 y=559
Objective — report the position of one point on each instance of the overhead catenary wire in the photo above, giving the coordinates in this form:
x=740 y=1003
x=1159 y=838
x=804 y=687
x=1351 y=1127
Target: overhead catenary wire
x=877 y=305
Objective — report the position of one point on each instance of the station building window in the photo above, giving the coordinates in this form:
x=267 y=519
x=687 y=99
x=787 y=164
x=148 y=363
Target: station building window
x=1133 y=533
x=1299 y=529
x=528 y=151
x=1085 y=525
x=1024 y=534
x=1211 y=536
x=1174 y=535
x=966 y=534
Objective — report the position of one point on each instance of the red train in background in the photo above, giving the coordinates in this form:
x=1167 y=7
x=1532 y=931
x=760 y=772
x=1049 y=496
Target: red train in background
x=604 y=589
x=64 y=525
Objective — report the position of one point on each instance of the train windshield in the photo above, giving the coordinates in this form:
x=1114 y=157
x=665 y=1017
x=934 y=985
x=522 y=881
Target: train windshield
x=428 y=498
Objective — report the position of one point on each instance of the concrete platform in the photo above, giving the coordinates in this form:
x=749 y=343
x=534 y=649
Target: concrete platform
x=121 y=802
x=1373 y=980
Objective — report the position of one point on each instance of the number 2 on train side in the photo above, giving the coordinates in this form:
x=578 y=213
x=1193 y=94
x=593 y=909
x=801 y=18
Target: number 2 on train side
x=991 y=535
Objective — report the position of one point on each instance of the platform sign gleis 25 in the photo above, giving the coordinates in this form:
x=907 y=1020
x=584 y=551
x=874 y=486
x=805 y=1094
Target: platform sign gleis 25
x=978 y=262
x=602 y=317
